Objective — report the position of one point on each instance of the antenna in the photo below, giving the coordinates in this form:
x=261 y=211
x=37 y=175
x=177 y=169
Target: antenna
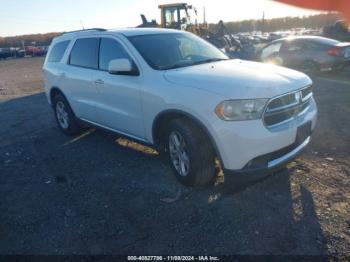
x=82 y=25
x=204 y=15
x=263 y=23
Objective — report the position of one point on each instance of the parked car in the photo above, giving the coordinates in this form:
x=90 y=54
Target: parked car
x=274 y=36
x=44 y=49
x=177 y=92
x=262 y=38
x=34 y=51
x=5 y=53
x=19 y=53
x=307 y=53
x=11 y=52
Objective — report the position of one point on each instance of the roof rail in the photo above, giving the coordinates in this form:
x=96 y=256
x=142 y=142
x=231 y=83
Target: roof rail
x=83 y=30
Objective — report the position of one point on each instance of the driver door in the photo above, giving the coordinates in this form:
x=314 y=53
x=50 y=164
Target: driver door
x=119 y=95
x=294 y=53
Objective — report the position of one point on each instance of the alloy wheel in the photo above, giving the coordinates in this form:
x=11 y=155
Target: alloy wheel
x=178 y=154
x=62 y=115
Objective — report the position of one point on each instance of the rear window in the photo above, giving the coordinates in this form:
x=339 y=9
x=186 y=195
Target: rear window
x=57 y=52
x=85 y=53
x=324 y=41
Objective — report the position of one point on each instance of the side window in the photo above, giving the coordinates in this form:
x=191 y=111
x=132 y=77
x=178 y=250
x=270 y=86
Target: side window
x=171 y=19
x=311 y=45
x=85 y=53
x=293 y=47
x=271 y=50
x=57 y=52
x=109 y=50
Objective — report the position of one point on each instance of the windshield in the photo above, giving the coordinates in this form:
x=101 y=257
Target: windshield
x=174 y=50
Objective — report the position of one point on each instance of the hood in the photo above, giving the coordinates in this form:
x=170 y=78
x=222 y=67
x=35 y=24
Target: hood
x=238 y=79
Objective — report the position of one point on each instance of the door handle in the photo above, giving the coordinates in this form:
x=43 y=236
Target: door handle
x=99 y=82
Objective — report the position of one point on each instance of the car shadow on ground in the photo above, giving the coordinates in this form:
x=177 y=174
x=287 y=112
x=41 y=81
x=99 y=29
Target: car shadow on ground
x=98 y=193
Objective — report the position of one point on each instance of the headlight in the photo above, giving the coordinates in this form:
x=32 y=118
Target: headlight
x=236 y=110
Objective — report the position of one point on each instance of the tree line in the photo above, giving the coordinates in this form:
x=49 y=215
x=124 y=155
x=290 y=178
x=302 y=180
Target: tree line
x=266 y=25
x=285 y=23
x=28 y=40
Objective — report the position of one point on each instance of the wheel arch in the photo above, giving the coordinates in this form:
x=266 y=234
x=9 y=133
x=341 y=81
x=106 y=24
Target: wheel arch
x=55 y=91
x=164 y=117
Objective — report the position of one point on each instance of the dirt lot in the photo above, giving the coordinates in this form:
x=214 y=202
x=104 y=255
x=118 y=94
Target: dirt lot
x=100 y=194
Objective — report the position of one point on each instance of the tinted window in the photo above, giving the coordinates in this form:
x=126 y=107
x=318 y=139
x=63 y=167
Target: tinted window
x=109 y=50
x=324 y=41
x=85 y=53
x=293 y=46
x=57 y=52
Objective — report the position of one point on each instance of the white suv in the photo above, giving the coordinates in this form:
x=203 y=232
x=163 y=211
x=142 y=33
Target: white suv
x=177 y=92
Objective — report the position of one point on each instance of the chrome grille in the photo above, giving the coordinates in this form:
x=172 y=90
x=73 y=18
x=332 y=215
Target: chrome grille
x=286 y=107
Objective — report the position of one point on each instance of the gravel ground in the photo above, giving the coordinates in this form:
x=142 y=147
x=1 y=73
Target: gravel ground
x=101 y=194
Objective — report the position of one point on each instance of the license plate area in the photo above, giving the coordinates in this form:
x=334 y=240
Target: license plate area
x=304 y=131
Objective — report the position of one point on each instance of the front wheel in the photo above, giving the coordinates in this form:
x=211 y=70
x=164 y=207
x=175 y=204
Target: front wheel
x=190 y=153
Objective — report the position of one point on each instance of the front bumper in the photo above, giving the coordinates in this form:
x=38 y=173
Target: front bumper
x=267 y=163
x=248 y=146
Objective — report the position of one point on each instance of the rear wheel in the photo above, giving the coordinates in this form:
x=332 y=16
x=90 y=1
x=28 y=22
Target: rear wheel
x=64 y=116
x=190 y=153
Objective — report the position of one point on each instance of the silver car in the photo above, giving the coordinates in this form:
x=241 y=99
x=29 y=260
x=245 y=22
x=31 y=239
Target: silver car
x=307 y=53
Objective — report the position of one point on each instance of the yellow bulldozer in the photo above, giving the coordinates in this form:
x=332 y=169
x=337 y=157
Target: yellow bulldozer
x=180 y=16
x=177 y=16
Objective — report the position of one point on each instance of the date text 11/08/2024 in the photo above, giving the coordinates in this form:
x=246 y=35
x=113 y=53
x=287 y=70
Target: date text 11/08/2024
x=173 y=258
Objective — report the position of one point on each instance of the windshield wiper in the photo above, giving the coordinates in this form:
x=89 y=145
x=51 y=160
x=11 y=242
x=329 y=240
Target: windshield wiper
x=179 y=65
x=210 y=60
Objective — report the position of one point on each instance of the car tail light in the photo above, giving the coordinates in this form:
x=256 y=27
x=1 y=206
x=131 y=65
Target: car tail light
x=333 y=51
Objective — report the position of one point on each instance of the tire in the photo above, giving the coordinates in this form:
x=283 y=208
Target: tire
x=64 y=115
x=196 y=166
x=310 y=67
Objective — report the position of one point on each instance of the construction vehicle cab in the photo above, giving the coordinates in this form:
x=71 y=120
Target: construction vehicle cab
x=176 y=16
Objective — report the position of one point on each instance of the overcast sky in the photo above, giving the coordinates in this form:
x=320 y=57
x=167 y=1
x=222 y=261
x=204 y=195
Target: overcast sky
x=41 y=16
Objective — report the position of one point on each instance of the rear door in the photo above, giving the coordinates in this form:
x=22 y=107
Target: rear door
x=118 y=95
x=81 y=71
x=293 y=53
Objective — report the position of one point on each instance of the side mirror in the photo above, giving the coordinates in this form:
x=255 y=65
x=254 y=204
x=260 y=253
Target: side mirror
x=122 y=66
